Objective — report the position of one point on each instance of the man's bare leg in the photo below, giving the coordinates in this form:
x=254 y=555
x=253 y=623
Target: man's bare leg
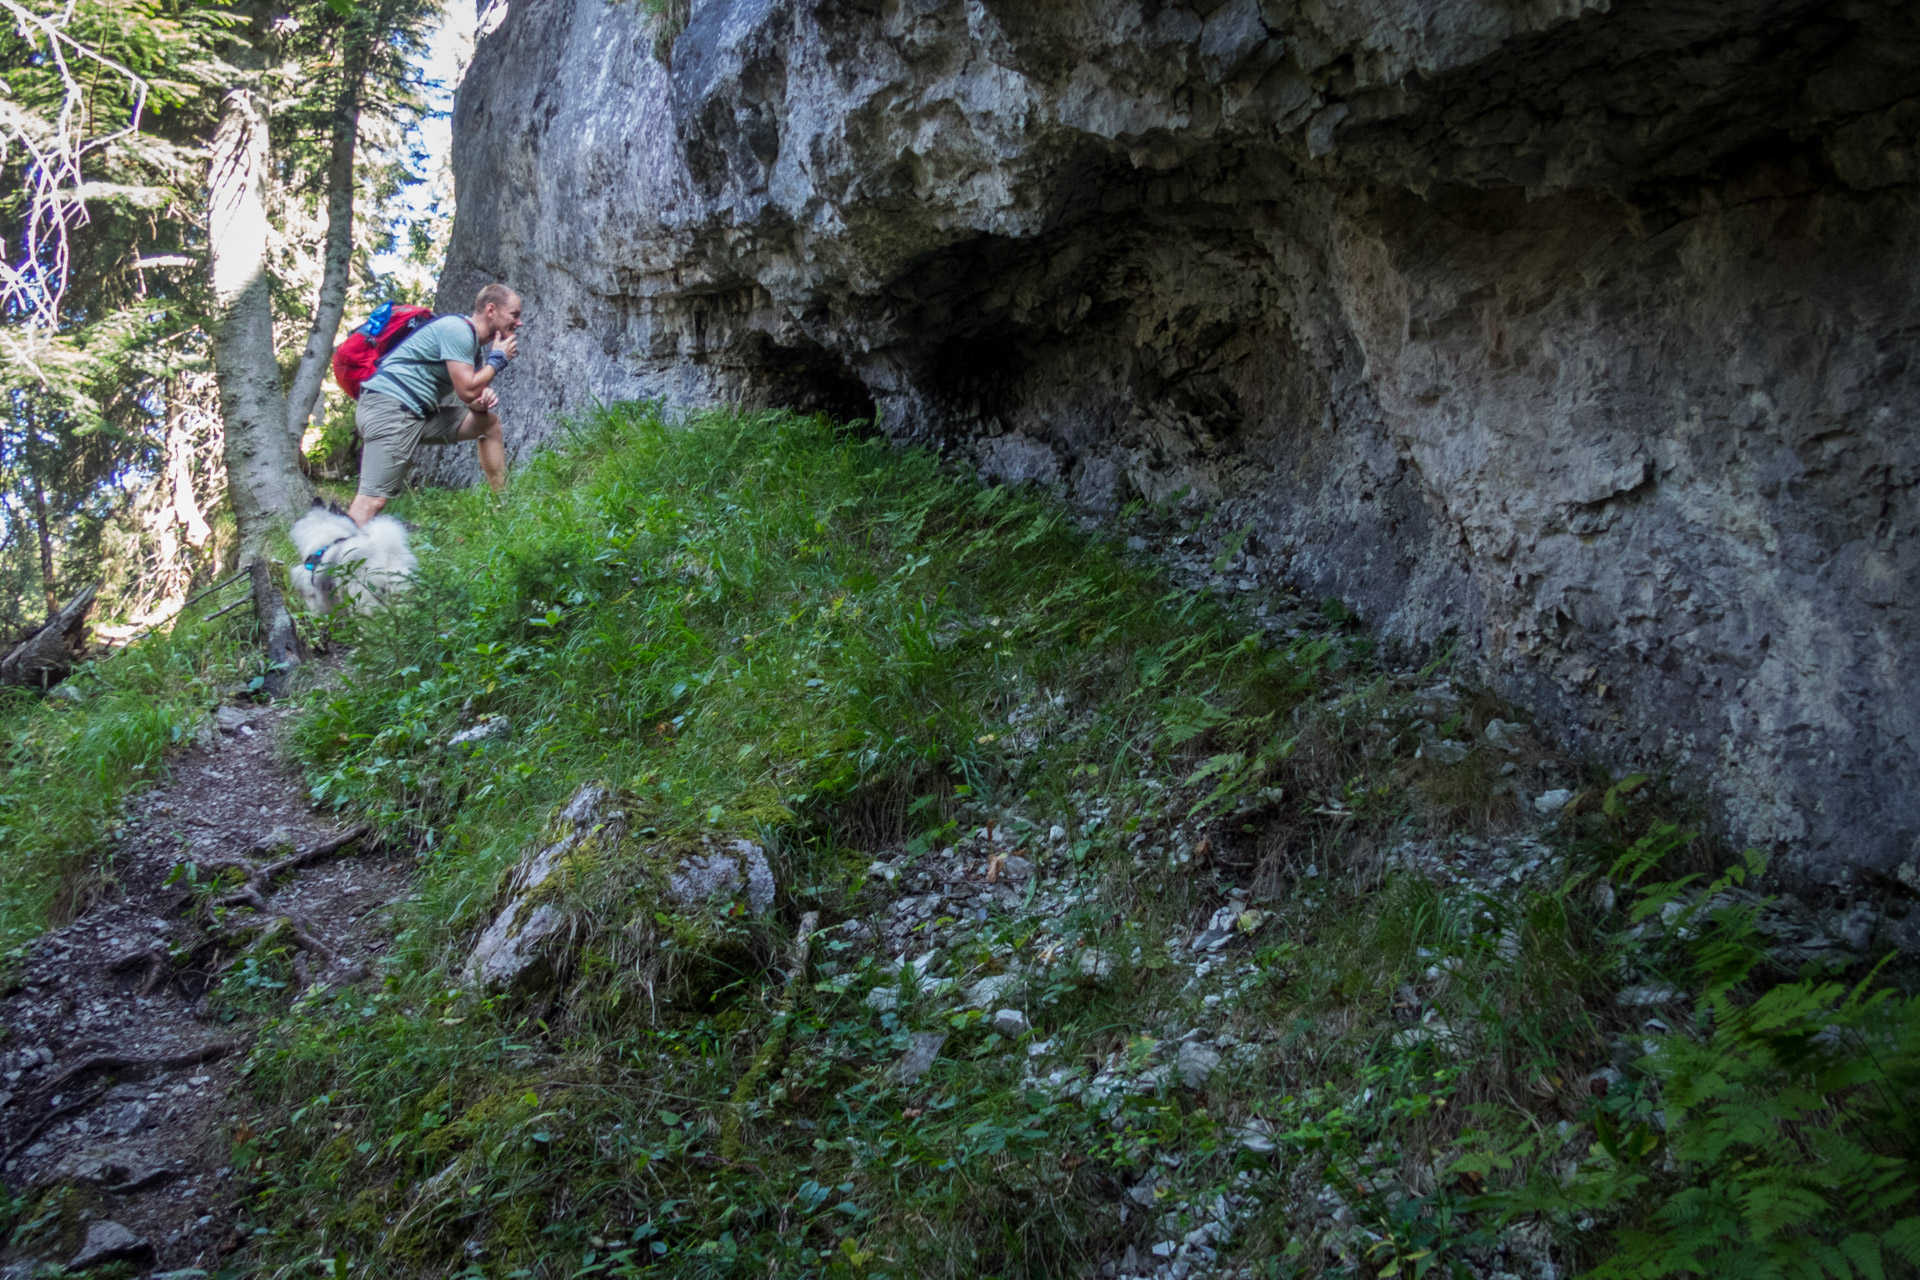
x=484 y=427
x=365 y=507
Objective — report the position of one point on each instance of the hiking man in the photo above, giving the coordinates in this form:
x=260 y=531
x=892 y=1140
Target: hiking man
x=436 y=388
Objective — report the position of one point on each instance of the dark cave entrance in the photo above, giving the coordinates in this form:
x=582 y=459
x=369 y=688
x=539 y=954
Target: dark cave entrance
x=811 y=379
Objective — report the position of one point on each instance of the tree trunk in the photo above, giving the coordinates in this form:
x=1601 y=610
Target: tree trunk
x=45 y=657
x=281 y=639
x=40 y=524
x=263 y=466
x=314 y=360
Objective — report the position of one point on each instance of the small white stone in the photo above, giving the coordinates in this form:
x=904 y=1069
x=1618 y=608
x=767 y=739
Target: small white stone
x=1554 y=801
x=1010 y=1023
x=489 y=727
x=1501 y=733
x=1256 y=1135
x=987 y=992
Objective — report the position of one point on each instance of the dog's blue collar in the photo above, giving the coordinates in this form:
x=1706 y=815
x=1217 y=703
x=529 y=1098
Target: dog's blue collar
x=314 y=558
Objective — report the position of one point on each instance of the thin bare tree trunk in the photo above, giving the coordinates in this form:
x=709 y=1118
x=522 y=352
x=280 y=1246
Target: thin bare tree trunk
x=312 y=370
x=40 y=519
x=264 y=480
x=46 y=548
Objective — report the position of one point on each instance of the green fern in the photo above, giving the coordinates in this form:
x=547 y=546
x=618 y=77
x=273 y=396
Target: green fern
x=1774 y=1138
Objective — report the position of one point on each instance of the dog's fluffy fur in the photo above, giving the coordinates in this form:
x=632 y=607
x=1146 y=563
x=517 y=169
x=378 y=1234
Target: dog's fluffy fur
x=356 y=564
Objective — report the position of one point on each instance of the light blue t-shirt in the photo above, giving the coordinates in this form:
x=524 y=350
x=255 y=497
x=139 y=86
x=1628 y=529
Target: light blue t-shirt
x=415 y=372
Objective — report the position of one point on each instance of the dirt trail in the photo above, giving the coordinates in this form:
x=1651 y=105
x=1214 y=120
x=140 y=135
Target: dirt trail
x=114 y=1075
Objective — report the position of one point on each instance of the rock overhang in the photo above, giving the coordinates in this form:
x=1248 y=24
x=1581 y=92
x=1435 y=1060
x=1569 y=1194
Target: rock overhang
x=1577 y=331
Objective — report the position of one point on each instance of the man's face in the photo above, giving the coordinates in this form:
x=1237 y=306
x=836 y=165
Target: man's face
x=505 y=319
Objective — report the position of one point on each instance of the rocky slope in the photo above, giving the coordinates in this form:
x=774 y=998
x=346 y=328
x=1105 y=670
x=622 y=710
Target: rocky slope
x=1580 y=331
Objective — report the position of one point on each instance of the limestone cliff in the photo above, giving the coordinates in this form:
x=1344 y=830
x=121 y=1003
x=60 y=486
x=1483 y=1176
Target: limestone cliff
x=1583 y=330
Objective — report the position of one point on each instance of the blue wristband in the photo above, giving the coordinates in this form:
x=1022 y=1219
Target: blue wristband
x=497 y=358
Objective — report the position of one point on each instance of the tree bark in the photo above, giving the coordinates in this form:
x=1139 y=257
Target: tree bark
x=40 y=524
x=312 y=371
x=285 y=649
x=46 y=656
x=264 y=480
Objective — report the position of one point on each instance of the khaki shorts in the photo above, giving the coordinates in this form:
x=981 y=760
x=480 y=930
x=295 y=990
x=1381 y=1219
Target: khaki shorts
x=390 y=432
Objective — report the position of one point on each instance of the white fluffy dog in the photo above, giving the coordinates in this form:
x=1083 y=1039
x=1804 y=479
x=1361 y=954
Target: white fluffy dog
x=342 y=561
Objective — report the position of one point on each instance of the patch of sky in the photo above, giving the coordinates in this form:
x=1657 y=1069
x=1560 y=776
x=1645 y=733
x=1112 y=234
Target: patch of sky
x=419 y=214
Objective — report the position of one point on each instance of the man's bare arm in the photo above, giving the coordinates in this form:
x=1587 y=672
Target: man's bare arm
x=468 y=383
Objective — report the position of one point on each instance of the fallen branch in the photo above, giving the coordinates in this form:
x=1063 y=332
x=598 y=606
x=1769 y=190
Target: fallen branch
x=146 y=631
x=229 y=608
x=190 y=601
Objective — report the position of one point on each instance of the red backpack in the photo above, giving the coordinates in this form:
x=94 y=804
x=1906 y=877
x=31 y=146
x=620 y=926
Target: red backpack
x=359 y=356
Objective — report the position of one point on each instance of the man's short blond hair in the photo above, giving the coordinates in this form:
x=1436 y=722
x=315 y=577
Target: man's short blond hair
x=495 y=294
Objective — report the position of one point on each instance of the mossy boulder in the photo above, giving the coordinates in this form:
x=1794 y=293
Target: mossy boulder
x=531 y=938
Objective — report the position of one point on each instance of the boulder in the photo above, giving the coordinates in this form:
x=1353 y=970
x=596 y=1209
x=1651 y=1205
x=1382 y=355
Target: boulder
x=521 y=948
x=514 y=950
x=723 y=872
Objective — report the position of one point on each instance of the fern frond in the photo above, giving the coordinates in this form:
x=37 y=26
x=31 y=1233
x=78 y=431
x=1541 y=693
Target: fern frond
x=1863 y=1251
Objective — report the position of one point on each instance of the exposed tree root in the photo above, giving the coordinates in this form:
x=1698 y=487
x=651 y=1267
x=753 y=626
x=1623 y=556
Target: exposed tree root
x=119 y=1062
x=46 y=1122
x=157 y=962
x=259 y=883
x=260 y=879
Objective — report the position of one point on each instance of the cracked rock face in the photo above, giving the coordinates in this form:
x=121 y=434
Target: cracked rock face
x=1581 y=331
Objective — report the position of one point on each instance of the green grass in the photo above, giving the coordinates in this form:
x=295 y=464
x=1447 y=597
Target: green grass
x=767 y=627
x=71 y=759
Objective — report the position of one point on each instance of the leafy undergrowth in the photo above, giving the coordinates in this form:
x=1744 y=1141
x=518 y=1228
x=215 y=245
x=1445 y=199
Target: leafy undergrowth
x=72 y=756
x=1151 y=941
